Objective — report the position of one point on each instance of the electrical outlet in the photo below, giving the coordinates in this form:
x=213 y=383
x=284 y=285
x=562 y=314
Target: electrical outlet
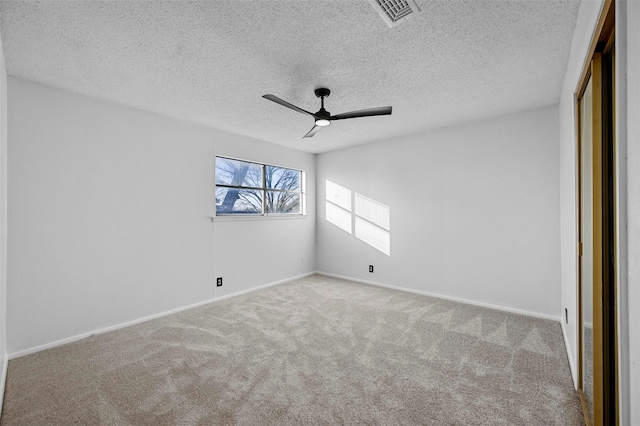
x=302 y=259
x=371 y=268
x=219 y=282
x=566 y=316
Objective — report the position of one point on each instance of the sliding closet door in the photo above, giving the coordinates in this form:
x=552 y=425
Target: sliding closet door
x=586 y=255
x=589 y=107
x=597 y=258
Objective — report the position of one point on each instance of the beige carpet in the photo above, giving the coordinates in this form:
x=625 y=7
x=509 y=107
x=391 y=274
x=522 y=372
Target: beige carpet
x=314 y=351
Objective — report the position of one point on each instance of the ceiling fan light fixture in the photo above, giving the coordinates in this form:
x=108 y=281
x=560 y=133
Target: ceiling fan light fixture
x=323 y=118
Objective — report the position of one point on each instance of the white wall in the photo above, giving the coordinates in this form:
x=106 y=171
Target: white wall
x=254 y=251
x=3 y=222
x=109 y=213
x=474 y=212
x=251 y=252
x=628 y=168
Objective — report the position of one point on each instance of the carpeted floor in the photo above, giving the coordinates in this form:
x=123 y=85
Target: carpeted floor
x=314 y=351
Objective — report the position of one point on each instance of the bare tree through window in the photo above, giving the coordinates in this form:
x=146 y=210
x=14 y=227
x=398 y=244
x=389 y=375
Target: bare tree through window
x=250 y=188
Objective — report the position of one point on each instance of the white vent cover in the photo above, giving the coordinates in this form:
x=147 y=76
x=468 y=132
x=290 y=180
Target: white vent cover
x=395 y=11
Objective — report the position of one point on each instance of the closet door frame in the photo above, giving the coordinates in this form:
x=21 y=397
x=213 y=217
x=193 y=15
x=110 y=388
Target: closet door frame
x=599 y=69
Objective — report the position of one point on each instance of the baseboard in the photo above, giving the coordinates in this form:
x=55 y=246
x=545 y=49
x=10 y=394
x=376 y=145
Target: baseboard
x=572 y=366
x=251 y=290
x=81 y=336
x=442 y=296
x=144 y=319
x=240 y=293
x=3 y=379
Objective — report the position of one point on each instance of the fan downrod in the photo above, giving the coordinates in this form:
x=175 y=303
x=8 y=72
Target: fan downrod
x=322 y=92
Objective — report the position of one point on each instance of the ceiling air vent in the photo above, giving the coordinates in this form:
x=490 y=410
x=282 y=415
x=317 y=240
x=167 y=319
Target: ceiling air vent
x=395 y=12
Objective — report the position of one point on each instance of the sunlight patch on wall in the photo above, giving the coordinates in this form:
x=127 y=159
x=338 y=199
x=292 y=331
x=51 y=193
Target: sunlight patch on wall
x=338 y=206
x=371 y=219
x=373 y=223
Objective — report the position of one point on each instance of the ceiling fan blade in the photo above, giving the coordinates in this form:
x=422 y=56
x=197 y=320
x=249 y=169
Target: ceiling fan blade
x=312 y=132
x=363 y=113
x=285 y=104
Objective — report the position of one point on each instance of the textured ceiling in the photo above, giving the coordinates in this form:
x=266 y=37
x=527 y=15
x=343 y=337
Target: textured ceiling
x=210 y=62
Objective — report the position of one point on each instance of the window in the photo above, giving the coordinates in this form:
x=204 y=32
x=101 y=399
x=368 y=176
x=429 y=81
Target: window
x=245 y=188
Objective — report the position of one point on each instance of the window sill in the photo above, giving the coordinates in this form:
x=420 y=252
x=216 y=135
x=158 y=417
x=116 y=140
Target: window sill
x=241 y=218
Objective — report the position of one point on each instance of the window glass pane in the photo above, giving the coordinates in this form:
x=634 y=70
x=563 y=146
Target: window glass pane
x=238 y=201
x=281 y=178
x=238 y=173
x=282 y=202
x=244 y=187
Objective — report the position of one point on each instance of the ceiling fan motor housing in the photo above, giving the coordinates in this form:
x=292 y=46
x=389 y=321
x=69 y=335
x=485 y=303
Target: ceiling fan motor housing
x=322 y=113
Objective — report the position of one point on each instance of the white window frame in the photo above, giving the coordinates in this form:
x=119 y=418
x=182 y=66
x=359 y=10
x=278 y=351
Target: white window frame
x=301 y=192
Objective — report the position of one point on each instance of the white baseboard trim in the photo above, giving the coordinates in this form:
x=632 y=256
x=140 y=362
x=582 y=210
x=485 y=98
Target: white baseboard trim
x=75 y=338
x=3 y=379
x=442 y=296
x=572 y=366
x=251 y=290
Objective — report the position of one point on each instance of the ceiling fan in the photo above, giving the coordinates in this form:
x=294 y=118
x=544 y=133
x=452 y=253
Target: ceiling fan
x=323 y=117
